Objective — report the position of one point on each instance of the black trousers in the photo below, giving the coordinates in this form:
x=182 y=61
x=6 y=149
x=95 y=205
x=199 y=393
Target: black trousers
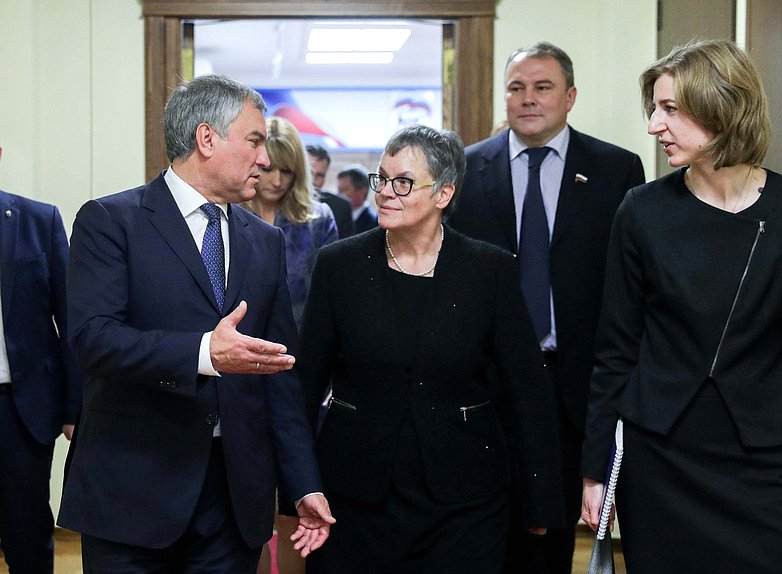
x=552 y=553
x=26 y=522
x=211 y=543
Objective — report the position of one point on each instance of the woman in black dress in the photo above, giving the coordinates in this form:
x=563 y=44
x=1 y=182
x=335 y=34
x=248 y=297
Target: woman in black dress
x=689 y=349
x=426 y=339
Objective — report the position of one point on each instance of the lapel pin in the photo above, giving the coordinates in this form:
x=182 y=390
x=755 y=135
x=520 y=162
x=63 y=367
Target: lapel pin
x=8 y=213
x=580 y=178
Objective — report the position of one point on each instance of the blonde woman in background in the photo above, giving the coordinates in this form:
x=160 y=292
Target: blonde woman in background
x=285 y=198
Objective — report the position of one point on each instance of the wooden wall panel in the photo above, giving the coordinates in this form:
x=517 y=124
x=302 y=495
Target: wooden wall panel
x=764 y=44
x=163 y=45
x=473 y=112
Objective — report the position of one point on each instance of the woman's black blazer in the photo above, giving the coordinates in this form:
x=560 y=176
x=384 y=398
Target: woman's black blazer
x=475 y=321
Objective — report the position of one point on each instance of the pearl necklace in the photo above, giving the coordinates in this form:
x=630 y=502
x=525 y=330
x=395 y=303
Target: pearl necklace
x=402 y=269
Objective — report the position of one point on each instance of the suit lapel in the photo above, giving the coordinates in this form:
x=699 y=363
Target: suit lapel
x=572 y=193
x=498 y=185
x=165 y=216
x=239 y=234
x=9 y=232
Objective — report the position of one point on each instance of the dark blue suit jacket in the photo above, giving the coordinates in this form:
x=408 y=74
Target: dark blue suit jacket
x=366 y=221
x=140 y=301
x=33 y=257
x=582 y=226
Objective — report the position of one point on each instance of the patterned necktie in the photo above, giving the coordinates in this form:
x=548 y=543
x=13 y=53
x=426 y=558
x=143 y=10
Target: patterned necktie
x=213 y=252
x=534 y=247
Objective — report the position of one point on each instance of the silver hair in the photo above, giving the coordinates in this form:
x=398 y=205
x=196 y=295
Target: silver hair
x=211 y=99
x=443 y=151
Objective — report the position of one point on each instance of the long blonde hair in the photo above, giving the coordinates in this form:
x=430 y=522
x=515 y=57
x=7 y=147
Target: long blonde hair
x=286 y=151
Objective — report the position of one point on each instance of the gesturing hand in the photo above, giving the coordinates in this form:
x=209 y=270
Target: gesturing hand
x=315 y=522
x=232 y=352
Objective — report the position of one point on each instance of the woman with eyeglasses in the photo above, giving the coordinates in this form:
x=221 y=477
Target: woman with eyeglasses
x=439 y=389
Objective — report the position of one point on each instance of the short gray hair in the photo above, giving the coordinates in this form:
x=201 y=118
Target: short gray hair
x=442 y=149
x=211 y=99
x=547 y=50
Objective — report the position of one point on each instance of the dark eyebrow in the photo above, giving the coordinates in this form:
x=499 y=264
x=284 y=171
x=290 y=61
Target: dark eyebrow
x=260 y=135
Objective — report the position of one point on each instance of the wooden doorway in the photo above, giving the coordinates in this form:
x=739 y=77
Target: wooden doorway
x=468 y=66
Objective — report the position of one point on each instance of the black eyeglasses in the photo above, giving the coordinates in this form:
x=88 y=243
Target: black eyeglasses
x=400 y=185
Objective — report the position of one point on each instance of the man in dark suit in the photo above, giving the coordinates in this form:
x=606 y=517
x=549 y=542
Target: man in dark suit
x=320 y=160
x=569 y=191
x=40 y=387
x=187 y=421
x=353 y=183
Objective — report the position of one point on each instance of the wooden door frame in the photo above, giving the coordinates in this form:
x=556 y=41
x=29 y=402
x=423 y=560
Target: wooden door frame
x=471 y=114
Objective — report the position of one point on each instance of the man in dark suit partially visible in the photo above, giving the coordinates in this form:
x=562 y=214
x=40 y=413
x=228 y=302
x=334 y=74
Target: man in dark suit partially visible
x=40 y=387
x=569 y=192
x=187 y=421
x=353 y=183
x=320 y=160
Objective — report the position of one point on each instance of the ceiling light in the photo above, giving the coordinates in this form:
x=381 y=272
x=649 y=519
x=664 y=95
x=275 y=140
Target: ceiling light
x=357 y=39
x=349 y=57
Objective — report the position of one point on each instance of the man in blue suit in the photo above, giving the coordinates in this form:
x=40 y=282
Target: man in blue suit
x=40 y=387
x=542 y=175
x=188 y=422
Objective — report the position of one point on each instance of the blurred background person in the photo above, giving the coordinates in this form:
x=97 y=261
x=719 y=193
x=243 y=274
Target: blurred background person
x=285 y=198
x=688 y=350
x=320 y=160
x=40 y=385
x=353 y=184
x=412 y=451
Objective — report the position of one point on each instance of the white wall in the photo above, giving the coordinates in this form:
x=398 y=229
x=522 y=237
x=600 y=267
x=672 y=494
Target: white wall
x=71 y=99
x=610 y=43
x=71 y=108
x=72 y=90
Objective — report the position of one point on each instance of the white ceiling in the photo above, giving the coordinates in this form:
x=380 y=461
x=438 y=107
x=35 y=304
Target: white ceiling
x=270 y=54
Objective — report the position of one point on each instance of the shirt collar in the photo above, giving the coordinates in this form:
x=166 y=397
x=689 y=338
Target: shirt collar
x=558 y=143
x=187 y=199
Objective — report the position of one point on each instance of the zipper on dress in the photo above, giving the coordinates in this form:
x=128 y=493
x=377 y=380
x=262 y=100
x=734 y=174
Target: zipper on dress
x=333 y=400
x=465 y=410
x=761 y=229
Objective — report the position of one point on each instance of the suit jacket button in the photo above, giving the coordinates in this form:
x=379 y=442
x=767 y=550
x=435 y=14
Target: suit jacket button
x=172 y=384
x=211 y=419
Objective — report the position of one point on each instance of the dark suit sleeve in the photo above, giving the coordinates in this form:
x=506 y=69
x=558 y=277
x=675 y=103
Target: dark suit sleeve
x=529 y=396
x=58 y=260
x=105 y=344
x=290 y=432
x=618 y=338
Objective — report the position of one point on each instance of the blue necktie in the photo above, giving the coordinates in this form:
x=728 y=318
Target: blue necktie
x=534 y=247
x=213 y=252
